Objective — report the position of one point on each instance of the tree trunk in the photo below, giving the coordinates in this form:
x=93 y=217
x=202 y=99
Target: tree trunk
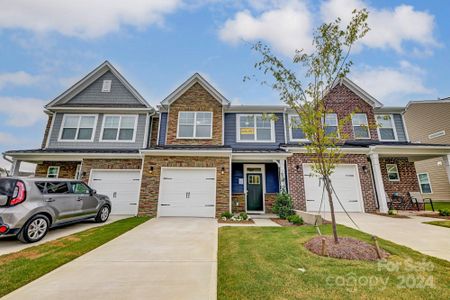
x=330 y=200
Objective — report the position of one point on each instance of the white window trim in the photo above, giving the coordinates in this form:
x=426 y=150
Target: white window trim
x=368 y=129
x=106 y=85
x=238 y=129
x=195 y=126
x=429 y=182
x=387 y=172
x=78 y=172
x=290 y=129
x=337 y=123
x=393 y=127
x=136 y=119
x=57 y=174
x=94 y=129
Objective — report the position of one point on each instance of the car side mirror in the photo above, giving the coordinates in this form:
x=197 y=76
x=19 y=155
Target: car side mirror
x=93 y=192
x=3 y=200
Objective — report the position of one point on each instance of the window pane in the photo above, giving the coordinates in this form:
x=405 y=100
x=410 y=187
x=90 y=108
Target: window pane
x=187 y=117
x=423 y=178
x=361 y=132
x=393 y=176
x=68 y=134
x=87 y=122
x=127 y=122
x=246 y=135
x=331 y=120
x=203 y=131
x=426 y=188
x=57 y=188
x=247 y=121
x=263 y=122
x=331 y=130
x=126 y=134
x=112 y=122
x=263 y=134
x=70 y=121
x=79 y=188
x=204 y=118
x=359 y=119
x=53 y=171
x=186 y=131
x=387 y=134
x=84 y=134
x=109 y=134
x=384 y=121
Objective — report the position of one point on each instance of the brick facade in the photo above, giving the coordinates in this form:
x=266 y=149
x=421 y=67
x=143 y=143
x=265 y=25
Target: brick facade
x=148 y=203
x=47 y=131
x=296 y=183
x=344 y=102
x=89 y=164
x=67 y=169
x=408 y=178
x=154 y=133
x=195 y=98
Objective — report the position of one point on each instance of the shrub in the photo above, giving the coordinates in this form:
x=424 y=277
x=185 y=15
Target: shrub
x=444 y=212
x=243 y=216
x=283 y=205
x=295 y=219
x=226 y=215
x=392 y=212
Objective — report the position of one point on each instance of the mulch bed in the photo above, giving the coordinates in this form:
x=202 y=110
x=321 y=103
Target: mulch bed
x=392 y=216
x=433 y=215
x=347 y=248
x=235 y=222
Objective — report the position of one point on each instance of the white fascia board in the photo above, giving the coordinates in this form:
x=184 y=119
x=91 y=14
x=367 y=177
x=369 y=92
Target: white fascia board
x=101 y=109
x=36 y=157
x=406 y=150
x=174 y=152
x=252 y=157
x=256 y=109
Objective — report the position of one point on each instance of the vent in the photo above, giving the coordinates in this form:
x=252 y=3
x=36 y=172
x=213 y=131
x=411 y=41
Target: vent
x=436 y=134
x=106 y=87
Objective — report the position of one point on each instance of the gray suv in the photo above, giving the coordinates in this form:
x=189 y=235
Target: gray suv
x=30 y=206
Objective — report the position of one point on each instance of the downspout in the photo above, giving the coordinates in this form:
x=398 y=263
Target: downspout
x=373 y=182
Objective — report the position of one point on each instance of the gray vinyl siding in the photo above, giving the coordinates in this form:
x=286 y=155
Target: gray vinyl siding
x=231 y=132
x=137 y=144
x=401 y=134
x=162 y=129
x=93 y=95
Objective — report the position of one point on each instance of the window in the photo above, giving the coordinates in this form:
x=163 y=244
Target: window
x=78 y=172
x=424 y=182
x=386 y=128
x=79 y=188
x=194 y=125
x=360 y=126
x=296 y=133
x=331 y=124
x=57 y=188
x=106 y=87
x=255 y=128
x=78 y=127
x=254 y=179
x=52 y=172
x=119 y=128
x=392 y=172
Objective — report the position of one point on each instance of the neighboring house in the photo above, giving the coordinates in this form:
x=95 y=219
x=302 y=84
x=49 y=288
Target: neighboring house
x=429 y=123
x=198 y=155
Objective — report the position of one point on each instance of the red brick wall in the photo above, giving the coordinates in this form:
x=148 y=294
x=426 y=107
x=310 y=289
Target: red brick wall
x=408 y=177
x=344 y=102
x=67 y=169
x=296 y=183
x=148 y=203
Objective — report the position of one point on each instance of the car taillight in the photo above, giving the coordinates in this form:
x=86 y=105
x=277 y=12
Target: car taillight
x=19 y=194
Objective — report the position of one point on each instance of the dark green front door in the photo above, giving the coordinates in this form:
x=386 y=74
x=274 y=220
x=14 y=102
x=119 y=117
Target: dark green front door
x=254 y=192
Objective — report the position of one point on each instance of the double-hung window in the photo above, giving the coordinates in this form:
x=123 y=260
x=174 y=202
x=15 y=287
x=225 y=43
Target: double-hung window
x=194 y=125
x=53 y=172
x=255 y=128
x=392 y=172
x=386 y=128
x=331 y=124
x=424 y=182
x=78 y=127
x=360 y=126
x=296 y=133
x=119 y=128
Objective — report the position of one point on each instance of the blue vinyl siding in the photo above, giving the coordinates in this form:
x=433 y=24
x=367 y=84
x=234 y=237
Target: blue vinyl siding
x=162 y=129
x=231 y=131
x=237 y=171
x=272 y=183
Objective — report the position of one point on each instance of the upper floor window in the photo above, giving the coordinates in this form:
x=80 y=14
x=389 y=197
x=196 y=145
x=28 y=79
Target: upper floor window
x=255 y=128
x=194 y=125
x=120 y=128
x=78 y=127
x=331 y=124
x=386 y=128
x=360 y=126
x=295 y=132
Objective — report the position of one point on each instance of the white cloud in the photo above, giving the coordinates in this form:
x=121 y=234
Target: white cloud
x=5 y=138
x=19 y=78
x=390 y=28
x=22 y=112
x=392 y=86
x=83 y=18
x=286 y=28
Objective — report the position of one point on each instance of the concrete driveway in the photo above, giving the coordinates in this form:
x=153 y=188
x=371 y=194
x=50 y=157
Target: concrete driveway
x=165 y=258
x=11 y=244
x=425 y=238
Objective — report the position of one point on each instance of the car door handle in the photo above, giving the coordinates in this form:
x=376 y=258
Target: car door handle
x=50 y=200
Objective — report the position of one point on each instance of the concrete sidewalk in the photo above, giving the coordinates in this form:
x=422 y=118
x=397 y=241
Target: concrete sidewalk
x=425 y=238
x=164 y=258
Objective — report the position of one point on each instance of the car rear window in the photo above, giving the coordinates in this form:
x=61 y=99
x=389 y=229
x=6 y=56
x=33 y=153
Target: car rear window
x=7 y=186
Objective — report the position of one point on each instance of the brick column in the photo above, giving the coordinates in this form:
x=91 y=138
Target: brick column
x=379 y=185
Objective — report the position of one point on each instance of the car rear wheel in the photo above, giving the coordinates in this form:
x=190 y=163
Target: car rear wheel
x=103 y=214
x=35 y=229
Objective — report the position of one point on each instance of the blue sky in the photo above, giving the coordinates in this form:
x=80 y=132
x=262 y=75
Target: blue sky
x=47 y=45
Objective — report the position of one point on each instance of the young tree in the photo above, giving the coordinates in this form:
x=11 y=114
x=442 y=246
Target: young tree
x=306 y=93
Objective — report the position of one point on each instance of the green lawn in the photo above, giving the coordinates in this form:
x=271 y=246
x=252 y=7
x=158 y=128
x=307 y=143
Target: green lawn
x=440 y=223
x=438 y=205
x=264 y=262
x=20 y=268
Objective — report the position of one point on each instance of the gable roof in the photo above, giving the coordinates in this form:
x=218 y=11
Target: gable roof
x=359 y=92
x=89 y=79
x=196 y=78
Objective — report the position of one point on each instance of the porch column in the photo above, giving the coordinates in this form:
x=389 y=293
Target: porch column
x=15 y=167
x=446 y=160
x=282 y=174
x=379 y=185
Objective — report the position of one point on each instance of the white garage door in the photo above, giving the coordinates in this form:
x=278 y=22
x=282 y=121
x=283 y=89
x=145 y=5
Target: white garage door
x=346 y=184
x=121 y=186
x=186 y=192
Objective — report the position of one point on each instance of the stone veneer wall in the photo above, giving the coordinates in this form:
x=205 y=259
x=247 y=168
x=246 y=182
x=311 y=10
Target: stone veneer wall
x=195 y=98
x=148 y=203
x=67 y=169
x=297 y=186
